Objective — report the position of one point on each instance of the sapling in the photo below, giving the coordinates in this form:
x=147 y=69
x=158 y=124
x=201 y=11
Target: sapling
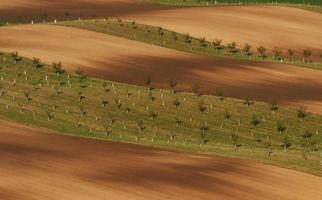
x=301 y=113
x=280 y=127
x=153 y=115
x=246 y=49
x=261 y=50
x=227 y=115
x=286 y=143
x=274 y=107
x=248 y=101
x=204 y=128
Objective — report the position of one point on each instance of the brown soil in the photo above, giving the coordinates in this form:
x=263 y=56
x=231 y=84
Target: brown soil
x=129 y=61
x=56 y=9
x=35 y=165
x=270 y=26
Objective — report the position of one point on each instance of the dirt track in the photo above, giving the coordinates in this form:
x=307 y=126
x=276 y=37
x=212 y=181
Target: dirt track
x=269 y=26
x=35 y=165
x=129 y=61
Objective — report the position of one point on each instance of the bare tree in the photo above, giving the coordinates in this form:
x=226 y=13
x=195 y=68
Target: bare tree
x=306 y=54
x=196 y=89
x=286 y=143
x=277 y=53
x=232 y=47
x=291 y=54
x=246 y=49
x=274 y=107
x=301 y=113
x=172 y=84
x=261 y=50
x=204 y=128
x=280 y=127
x=217 y=44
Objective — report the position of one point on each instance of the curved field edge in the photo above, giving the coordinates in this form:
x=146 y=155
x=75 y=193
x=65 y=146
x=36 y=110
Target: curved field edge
x=31 y=93
x=190 y=176
x=298 y=3
x=183 y=42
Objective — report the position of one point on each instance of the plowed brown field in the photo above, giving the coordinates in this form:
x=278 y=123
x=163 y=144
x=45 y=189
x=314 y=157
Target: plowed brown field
x=130 y=61
x=270 y=26
x=35 y=165
x=28 y=9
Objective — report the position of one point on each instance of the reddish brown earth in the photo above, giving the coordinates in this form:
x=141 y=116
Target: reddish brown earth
x=130 y=61
x=28 y=9
x=270 y=26
x=37 y=165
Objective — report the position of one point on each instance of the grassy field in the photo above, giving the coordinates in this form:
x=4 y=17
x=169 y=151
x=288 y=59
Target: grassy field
x=219 y=2
x=183 y=42
x=45 y=96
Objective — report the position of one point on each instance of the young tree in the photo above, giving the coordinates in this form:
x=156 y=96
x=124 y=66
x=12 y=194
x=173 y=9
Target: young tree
x=203 y=42
x=152 y=98
x=172 y=84
x=140 y=126
x=268 y=146
x=220 y=94
x=248 y=102
x=104 y=102
x=16 y=57
x=227 y=116
x=118 y=104
x=217 y=44
x=261 y=50
x=58 y=68
x=28 y=96
x=2 y=91
x=280 y=127
x=232 y=47
x=107 y=121
x=254 y=121
x=204 y=128
x=246 y=49
x=274 y=107
x=37 y=63
x=277 y=53
x=196 y=89
x=49 y=115
x=176 y=102
x=188 y=39
x=291 y=54
x=153 y=115
x=286 y=143
x=201 y=107
x=258 y=140
x=301 y=113
x=83 y=112
x=178 y=122
x=174 y=35
x=307 y=135
x=147 y=82
x=80 y=73
x=80 y=96
x=306 y=54
x=234 y=139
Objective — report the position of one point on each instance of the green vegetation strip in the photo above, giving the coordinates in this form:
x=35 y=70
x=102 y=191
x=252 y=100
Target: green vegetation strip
x=46 y=96
x=183 y=42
